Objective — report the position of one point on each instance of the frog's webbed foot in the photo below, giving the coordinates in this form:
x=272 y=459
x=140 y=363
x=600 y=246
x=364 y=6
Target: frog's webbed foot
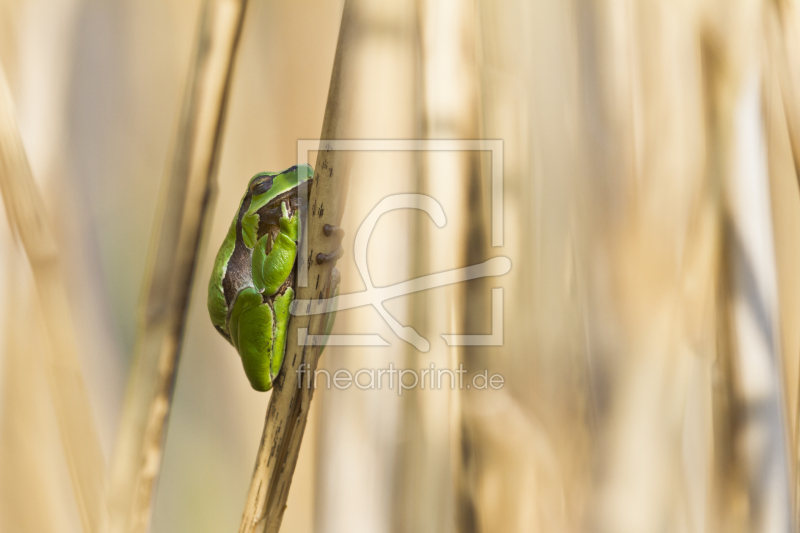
x=333 y=256
x=338 y=233
x=329 y=230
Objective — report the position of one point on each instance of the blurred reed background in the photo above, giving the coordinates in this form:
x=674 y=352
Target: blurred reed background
x=651 y=318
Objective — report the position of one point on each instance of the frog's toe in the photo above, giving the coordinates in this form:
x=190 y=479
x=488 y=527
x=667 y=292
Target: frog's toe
x=333 y=256
x=331 y=230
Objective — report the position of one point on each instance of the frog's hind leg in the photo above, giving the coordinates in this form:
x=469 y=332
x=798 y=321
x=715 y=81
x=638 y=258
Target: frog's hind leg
x=256 y=329
x=281 y=305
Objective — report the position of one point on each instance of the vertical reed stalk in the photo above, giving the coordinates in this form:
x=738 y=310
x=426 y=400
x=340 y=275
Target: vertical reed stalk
x=27 y=217
x=289 y=404
x=173 y=255
x=782 y=38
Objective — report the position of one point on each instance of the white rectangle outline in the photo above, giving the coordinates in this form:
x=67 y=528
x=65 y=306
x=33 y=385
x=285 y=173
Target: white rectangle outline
x=495 y=146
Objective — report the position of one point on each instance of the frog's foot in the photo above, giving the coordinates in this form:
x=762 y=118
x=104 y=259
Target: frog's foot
x=338 y=233
x=329 y=230
x=333 y=256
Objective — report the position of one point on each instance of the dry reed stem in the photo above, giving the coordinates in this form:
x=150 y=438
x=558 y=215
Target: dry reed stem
x=171 y=266
x=28 y=219
x=434 y=470
x=289 y=404
x=751 y=441
x=782 y=33
x=28 y=458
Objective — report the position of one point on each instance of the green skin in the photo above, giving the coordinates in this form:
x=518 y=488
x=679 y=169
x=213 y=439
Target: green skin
x=252 y=284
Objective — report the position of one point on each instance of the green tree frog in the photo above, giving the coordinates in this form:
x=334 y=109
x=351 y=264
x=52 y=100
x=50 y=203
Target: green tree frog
x=252 y=284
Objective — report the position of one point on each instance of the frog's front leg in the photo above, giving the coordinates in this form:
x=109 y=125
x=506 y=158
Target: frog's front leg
x=271 y=270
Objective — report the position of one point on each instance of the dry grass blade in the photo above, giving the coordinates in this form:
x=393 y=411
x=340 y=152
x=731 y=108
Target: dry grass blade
x=287 y=412
x=171 y=266
x=27 y=217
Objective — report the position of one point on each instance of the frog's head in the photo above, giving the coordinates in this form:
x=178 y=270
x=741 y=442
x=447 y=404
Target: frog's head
x=266 y=192
x=269 y=187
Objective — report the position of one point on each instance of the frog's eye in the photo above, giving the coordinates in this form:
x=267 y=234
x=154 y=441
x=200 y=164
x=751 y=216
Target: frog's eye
x=261 y=185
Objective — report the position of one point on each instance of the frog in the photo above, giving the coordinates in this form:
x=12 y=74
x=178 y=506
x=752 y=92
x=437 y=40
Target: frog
x=252 y=283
